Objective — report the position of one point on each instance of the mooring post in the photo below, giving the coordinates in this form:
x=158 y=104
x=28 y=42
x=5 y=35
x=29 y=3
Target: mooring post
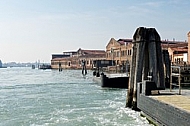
x=156 y=58
x=146 y=57
x=84 y=71
x=131 y=76
x=60 y=69
x=167 y=68
x=140 y=40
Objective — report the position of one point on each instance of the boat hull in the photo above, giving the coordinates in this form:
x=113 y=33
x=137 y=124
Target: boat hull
x=112 y=82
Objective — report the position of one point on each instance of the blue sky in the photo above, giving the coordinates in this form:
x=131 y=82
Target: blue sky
x=32 y=30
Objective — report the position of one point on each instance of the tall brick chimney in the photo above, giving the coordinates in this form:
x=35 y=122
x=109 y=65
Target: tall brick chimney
x=188 y=53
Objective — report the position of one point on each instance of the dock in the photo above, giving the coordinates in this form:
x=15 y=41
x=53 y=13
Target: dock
x=174 y=99
x=166 y=108
x=151 y=69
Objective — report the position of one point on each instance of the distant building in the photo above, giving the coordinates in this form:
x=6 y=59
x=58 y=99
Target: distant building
x=74 y=60
x=188 y=55
x=1 y=65
x=120 y=52
x=59 y=56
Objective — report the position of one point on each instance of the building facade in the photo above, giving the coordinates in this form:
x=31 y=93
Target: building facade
x=119 y=51
x=74 y=61
x=177 y=51
x=188 y=36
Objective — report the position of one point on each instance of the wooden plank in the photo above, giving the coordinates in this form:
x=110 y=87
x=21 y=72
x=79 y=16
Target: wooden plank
x=178 y=101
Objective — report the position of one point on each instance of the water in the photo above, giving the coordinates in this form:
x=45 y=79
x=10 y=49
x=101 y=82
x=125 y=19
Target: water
x=32 y=97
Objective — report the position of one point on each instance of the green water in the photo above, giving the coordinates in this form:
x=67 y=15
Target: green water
x=32 y=97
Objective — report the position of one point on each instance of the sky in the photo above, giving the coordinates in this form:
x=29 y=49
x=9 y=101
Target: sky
x=32 y=30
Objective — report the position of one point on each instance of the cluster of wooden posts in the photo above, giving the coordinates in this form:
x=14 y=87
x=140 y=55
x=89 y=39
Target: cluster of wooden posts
x=147 y=62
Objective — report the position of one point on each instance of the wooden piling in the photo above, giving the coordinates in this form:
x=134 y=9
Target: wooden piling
x=146 y=58
x=131 y=79
x=140 y=40
x=167 y=67
x=84 y=71
x=60 y=68
x=137 y=65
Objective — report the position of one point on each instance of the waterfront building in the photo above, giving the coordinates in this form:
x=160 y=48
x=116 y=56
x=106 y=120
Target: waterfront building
x=177 y=51
x=74 y=59
x=188 y=36
x=120 y=50
x=59 y=56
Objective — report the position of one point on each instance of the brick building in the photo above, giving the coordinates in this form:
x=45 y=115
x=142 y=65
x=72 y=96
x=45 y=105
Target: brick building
x=177 y=50
x=120 y=50
x=188 y=36
x=74 y=60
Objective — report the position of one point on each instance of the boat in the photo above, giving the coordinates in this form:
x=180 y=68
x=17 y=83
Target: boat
x=111 y=80
x=44 y=66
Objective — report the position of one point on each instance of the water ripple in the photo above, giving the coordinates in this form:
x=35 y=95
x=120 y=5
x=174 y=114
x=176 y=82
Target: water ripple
x=51 y=98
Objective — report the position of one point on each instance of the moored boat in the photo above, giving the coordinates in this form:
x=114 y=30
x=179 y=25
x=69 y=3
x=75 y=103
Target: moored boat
x=112 y=80
x=44 y=66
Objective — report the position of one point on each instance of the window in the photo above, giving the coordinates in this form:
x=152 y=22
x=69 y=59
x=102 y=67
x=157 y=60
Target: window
x=118 y=53
x=130 y=52
x=122 y=53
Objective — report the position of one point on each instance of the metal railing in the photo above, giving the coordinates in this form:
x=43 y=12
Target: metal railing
x=180 y=72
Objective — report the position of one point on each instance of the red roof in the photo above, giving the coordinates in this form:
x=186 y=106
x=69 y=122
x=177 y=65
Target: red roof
x=175 y=45
x=180 y=49
x=92 y=51
x=165 y=43
x=124 y=41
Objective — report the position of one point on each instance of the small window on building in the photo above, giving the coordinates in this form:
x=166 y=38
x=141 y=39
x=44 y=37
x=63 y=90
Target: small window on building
x=130 y=52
